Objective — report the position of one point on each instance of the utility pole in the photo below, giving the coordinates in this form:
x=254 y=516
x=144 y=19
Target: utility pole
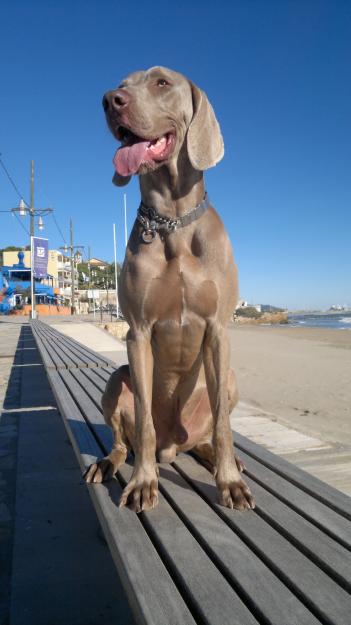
x=71 y=247
x=32 y=234
x=91 y=286
x=31 y=208
x=23 y=210
x=72 y=266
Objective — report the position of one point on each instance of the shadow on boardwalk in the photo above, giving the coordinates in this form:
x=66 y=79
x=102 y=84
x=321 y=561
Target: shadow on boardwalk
x=57 y=567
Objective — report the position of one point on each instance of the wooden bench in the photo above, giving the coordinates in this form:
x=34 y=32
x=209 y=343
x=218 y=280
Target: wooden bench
x=190 y=560
x=62 y=352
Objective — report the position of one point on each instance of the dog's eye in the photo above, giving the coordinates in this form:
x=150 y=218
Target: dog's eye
x=162 y=82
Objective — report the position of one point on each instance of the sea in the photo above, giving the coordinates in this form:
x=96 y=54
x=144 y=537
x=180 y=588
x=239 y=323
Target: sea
x=337 y=321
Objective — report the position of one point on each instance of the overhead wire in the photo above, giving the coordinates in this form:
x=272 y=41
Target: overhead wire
x=21 y=223
x=59 y=229
x=45 y=196
x=12 y=182
x=20 y=195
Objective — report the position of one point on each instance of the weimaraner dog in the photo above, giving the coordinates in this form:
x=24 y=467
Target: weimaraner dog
x=177 y=290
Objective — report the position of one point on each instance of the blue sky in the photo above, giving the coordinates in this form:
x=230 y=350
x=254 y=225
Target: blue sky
x=278 y=75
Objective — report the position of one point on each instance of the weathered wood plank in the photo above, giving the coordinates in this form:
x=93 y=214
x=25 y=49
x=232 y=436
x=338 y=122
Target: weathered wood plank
x=213 y=599
x=93 y=376
x=306 y=482
x=314 y=587
x=269 y=597
x=47 y=360
x=92 y=390
x=56 y=358
x=105 y=372
x=101 y=360
x=92 y=358
x=133 y=552
x=89 y=409
x=53 y=347
x=306 y=505
x=85 y=359
x=329 y=555
x=70 y=358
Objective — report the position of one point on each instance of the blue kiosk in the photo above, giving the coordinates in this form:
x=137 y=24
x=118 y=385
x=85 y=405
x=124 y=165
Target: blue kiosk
x=15 y=287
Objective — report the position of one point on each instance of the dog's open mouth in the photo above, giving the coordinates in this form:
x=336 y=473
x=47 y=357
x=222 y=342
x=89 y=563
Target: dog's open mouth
x=136 y=151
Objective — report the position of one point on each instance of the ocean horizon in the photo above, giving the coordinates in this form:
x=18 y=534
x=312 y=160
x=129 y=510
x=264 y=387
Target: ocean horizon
x=337 y=321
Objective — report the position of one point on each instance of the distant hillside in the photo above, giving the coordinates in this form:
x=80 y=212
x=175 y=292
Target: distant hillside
x=270 y=309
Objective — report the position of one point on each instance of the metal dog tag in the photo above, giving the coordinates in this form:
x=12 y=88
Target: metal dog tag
x=148 y=235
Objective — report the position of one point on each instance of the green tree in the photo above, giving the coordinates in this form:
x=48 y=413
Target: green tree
x=99 y=277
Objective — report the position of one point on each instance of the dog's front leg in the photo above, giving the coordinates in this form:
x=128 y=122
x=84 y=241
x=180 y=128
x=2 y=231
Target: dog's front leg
x=233 y=492
x=141 y=492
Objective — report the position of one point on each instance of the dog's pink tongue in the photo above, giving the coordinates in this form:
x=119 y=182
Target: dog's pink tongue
x=128 y=158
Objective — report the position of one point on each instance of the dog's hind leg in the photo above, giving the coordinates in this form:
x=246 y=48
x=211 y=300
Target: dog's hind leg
x=205 y=451
x=233 y=398
x=117 y=404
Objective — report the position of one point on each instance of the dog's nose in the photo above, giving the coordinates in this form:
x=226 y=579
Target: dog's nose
x=115 y=100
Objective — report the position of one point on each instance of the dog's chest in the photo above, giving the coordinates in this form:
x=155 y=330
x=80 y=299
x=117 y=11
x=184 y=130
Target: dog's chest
x=183 y=280
x=181 y=291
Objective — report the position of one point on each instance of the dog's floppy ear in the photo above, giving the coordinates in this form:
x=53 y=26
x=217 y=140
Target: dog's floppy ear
x=120 y=181
x=204 y=139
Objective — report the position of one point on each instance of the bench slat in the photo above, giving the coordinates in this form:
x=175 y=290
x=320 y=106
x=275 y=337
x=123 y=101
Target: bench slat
x=67 y=354
x=90 y=388
x=213 y=599
x=238 y=563
x=95 y=379
x=92 y=357
x=314 y=510
x=105 y=372
x=134 y=555
x=83 y=359
x=53 y=355
x=54 y=349
x=101 y=360
x=47 y=360
x=317 y=590
x=322 y=549
x=305 y=481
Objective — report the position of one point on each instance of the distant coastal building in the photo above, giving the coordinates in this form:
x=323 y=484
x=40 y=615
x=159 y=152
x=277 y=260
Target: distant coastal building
x=244 y=304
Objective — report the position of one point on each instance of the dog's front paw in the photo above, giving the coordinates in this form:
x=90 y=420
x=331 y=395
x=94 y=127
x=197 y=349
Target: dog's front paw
x=235 y=494
x=141 y=493
x=101 y=471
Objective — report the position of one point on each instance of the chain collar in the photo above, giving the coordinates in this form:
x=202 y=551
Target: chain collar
x=152 y=222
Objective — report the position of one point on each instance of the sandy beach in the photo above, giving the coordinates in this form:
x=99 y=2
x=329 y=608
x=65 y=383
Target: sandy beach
x=300 y=375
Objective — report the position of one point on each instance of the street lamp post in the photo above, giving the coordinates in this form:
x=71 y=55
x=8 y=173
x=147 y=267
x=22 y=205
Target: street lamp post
x=33 y=212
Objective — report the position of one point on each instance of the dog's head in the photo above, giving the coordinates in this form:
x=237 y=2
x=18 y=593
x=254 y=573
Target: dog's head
x=153 y=113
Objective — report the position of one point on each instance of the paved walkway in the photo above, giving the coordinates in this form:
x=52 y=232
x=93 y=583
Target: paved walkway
x=329 y=462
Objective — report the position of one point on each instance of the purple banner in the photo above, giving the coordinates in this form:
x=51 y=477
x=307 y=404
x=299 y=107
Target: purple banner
x=40 y=257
